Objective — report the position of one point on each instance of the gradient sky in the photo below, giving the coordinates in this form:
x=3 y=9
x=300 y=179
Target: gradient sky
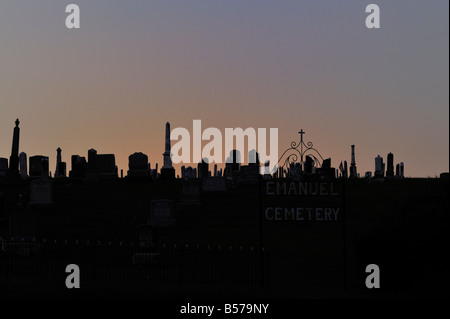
x=134 y=65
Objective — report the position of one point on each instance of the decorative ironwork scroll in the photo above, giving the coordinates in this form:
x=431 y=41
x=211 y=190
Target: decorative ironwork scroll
x=298 y=151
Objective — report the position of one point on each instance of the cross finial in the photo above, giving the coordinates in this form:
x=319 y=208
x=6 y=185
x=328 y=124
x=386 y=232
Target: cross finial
x=17 y=122
x=301 y=134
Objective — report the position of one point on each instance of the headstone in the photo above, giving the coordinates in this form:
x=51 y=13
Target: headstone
x=62 y=169
x=138 y=165
x=353 y=171
x=326 y=164
x=236 y=164
x=345 y=169
x=3 y=166
x=74 y=160
x=267 y=169
x=105 y=165
x=79 y=167
x=35 y=165
x=138 y=161
x=214 y=184
x=13 y=169
x=44 y=168
x=92 y=157
x=58 y=161
x=40 y=192
x=203 y=168
x=291 y=169
x=297 y=170
x=309 y=162
x=390 y=165
x=162 y=213
x=38 y=166
x=253 y=158
x=326 y=170
x=189 y=173
x=167 y=171
x=228 y=174
x=379 y=167
x=23 y=165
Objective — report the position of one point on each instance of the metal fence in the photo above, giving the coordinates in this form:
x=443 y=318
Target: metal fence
x=166 y=264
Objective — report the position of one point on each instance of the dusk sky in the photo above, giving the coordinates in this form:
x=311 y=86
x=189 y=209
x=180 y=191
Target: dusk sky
x=312 y=65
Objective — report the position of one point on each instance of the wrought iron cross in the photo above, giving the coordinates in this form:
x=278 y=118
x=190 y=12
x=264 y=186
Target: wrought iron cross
x=301 y=135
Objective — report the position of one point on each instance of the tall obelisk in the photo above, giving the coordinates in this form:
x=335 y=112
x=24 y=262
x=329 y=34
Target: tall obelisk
x=58 y=162
x=353 y=173
x=14 y=158
x=167 y=171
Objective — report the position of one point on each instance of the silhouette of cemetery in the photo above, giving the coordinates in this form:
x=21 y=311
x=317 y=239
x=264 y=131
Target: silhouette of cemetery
x=103 y=166
x=287 y=230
